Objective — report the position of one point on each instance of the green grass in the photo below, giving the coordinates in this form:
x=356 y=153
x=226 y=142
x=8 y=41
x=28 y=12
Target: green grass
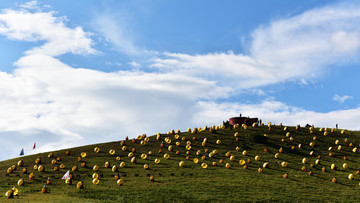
x=192 y=183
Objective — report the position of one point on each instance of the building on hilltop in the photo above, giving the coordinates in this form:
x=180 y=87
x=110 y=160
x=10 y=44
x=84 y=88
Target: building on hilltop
x=241 y=120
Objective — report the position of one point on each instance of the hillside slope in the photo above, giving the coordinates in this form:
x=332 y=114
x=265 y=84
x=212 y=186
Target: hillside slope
x=247 y=178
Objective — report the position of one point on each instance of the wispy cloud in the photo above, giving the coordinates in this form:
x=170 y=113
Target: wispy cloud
x=134 y=64
x=34 y=5
x=297 y=48
x=342 y=99
x=115 y=29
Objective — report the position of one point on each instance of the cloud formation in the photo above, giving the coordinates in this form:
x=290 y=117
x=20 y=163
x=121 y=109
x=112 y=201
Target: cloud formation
x=119 y=36
x=342 y=99
x=47 y=101
x=296 y=48
x=57 y=37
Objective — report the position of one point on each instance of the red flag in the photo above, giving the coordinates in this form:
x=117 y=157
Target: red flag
x=34 y=145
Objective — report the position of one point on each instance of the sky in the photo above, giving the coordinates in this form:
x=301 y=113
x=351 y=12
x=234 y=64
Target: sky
x=74 y=73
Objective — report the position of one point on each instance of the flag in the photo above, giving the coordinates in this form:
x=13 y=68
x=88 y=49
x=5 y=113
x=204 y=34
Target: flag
x=66 y=175
x=22 y=152
x=34 y=145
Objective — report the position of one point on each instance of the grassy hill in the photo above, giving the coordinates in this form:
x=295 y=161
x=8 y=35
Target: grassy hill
x=247 y=179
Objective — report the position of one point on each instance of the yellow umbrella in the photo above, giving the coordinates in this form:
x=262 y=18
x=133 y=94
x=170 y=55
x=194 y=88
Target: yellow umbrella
x=120 y=182
x=242 y=162
x=80 y=185
x=112 y=151
x=333 y=166
x=41 y=168
x=83 y=154
x=143 y=156
x=166 y=156
x=95 y=181
x=20 y=182
x=15 y=191
x=31 y=176
x=50 y=155
x=20 y=163
x=9 y=194
x=211 y=154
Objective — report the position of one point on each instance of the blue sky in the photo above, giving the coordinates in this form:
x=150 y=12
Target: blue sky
x=83 y=72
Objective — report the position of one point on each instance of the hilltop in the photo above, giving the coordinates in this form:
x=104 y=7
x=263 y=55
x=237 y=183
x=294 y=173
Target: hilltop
x=218 y=163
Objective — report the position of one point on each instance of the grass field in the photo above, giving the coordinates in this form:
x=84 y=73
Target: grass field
x=192 y=183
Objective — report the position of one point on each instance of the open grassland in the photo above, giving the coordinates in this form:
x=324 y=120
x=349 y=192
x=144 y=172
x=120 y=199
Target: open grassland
x=242 y=181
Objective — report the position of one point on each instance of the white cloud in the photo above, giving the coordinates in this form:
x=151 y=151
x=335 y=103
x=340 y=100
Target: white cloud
x=30 y=5
x=57 y=106
x=134 y=64
x=296 y=48
x=228 y=69
x=276 y=112
x=58 y=39
x=342 y=99
x=81 y=106
x=345 y=42
x=119 y=35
